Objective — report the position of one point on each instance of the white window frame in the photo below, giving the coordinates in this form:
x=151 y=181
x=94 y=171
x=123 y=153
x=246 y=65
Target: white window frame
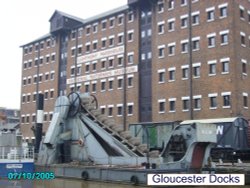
x=162 y=101
x=212 y=95
x=161 y=71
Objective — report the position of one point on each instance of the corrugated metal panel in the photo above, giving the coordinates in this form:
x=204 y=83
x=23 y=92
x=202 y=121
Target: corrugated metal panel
x=219 y=120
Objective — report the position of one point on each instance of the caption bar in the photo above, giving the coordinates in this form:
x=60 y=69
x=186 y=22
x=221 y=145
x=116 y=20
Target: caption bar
x=195 y=179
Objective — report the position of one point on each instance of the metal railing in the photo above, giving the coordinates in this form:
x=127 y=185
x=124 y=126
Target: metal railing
x=16 y=152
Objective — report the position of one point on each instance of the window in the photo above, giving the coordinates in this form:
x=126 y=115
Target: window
x=183 y=2
x=120 y=60
x=87 y=47
x=244 y=66
x=130 y=36
x=110 y=111
x=185 y=72
x=72 y=71
x=212 y=69
x=51 y=93
x=184 y=46
x=103 y=63
x=172 y=105
x=171 y=49
x=52 y=75
x=195 y=18
x=111 y=41
x=184 y=21
x=185 y=103
x=111 y=22
x=161 y=78
x=103 y=85
x=102 y=109
x=78 y=69
x=94 y=45
x=223 y=10
x=119 y=110
x=210 y=14
x=196 y=44
x=226 y=99
x=40 y=77
x=111 y=63
x=171 y=74
x=41 y=60
x=111 y=84
x=120 y=83
x=27 y=119
x=24 y=81
x=130 y=109
x=86 y=87
x=130 y=81
x=50 y=116
x=160 y=27
x=47 y=59
x=80 y=30
x=95 y=28
x=224 y=37
x=161 y=51
x=29 y=80
x=171 y=25
x=30 y=48
x=160 y=6
x=120 y=20
x=73 y=34
x=213 y=100
x=130 y=16
x=87 y=68
x=162 y=105
x=211 y=40
x=170 y=4
x=130 y=58
x=73 y=52
x=41 y=45
x=104 y=24
x=245 y=100
x=87 y=30
x=197 y=70
x=143 y=56
x=120 y=38
x=149 y=32
x=94 y=66
x=197 y=102
x=46 y=95
x=225 y=65
x=94 y=87
x=36 y=61
x=53 y=57
x=242 y=39
x=104 y=42
x=242 y=13
x=45 y=117
x=23 y=99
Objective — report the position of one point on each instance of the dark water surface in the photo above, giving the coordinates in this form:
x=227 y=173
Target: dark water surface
x=70 y=183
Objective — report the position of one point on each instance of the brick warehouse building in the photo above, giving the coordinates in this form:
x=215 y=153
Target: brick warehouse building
x=137 y=60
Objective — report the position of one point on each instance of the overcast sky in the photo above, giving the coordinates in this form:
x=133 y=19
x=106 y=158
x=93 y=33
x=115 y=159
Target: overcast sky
x=26 y=20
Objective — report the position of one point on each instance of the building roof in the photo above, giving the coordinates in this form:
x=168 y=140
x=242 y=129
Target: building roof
x=83 y=21
x=37 y=40
x=66 y=15
x=105 y=14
